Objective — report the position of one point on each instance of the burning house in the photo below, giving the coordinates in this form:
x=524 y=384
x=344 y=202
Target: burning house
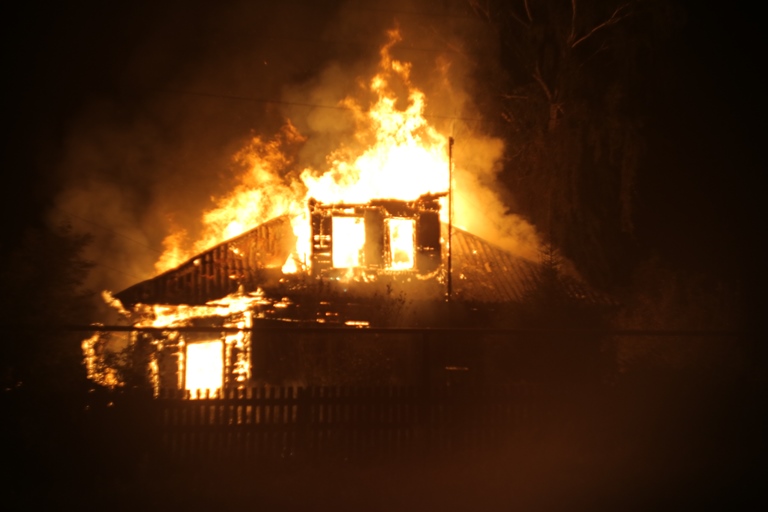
x=345 y=246
x=211 y=306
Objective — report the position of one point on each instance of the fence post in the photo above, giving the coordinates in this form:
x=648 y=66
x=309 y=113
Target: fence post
x=302 y=422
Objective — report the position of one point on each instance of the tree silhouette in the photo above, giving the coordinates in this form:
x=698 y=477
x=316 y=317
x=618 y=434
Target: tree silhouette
x=568 y=94
x=42 y=293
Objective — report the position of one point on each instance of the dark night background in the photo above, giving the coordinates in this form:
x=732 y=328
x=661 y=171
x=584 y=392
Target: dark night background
x=70 y=66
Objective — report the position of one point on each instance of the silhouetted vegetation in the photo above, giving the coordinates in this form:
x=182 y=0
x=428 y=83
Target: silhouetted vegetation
x=568 y=94
x=42 y=293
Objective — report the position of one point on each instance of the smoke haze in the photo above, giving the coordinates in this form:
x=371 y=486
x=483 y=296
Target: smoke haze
x=193 y=84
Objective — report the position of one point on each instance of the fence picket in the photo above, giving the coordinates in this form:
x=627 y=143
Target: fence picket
x=341 y=421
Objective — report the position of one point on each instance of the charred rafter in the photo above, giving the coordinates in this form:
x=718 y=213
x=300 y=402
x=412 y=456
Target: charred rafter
x=243 y=263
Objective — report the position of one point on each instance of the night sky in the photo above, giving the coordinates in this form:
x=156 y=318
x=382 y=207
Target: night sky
x=149 y=100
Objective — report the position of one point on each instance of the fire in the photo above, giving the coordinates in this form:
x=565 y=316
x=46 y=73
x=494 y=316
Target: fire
x=205 y=366
x=406 y=157
x=401 y=233
x=398 y=156
x=375 y=205
x=200 y=361
x=349 y=241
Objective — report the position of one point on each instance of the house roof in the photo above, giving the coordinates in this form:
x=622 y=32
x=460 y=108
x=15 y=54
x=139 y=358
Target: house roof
x=246 y=262
x=481 y=271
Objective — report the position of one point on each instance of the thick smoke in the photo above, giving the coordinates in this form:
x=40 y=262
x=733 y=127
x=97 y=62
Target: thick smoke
x=199 y=83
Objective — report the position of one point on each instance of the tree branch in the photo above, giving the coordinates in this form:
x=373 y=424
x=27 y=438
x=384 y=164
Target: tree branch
x=483 y=11
x=573 y=21
x=519 y=19
x=537 y=76
x=618 y=15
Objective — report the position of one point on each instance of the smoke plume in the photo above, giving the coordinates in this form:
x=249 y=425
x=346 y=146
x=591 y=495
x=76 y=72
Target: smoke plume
x=198 y=84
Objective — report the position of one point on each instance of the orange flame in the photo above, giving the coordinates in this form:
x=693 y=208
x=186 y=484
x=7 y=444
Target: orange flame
x=395 y=154
x=402 y=157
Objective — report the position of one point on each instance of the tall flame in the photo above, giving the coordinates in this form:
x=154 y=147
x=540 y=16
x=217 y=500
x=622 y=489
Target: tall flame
x=395 y=154
x=405 y=156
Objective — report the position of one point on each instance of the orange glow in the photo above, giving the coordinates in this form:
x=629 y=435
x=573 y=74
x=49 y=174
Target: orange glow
x=389 y=151
x=401 y=232
x=204 y=367
x=398 y=156
x=348 y=241
x=290 y=267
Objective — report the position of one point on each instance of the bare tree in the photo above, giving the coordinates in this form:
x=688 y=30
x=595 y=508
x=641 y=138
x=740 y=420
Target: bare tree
x=567 y=88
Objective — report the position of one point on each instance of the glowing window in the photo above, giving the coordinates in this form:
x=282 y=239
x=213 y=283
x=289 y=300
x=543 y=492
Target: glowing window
x=401 y=246
x=348 y=241
x=205 y=366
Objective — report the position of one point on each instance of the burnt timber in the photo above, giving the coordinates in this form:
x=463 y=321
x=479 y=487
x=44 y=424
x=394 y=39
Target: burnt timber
x=243 y=263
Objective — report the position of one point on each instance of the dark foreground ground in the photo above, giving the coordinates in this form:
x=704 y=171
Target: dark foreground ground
x=659 y=443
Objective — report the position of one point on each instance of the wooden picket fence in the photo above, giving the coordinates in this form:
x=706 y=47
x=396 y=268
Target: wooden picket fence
x=340 y=422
